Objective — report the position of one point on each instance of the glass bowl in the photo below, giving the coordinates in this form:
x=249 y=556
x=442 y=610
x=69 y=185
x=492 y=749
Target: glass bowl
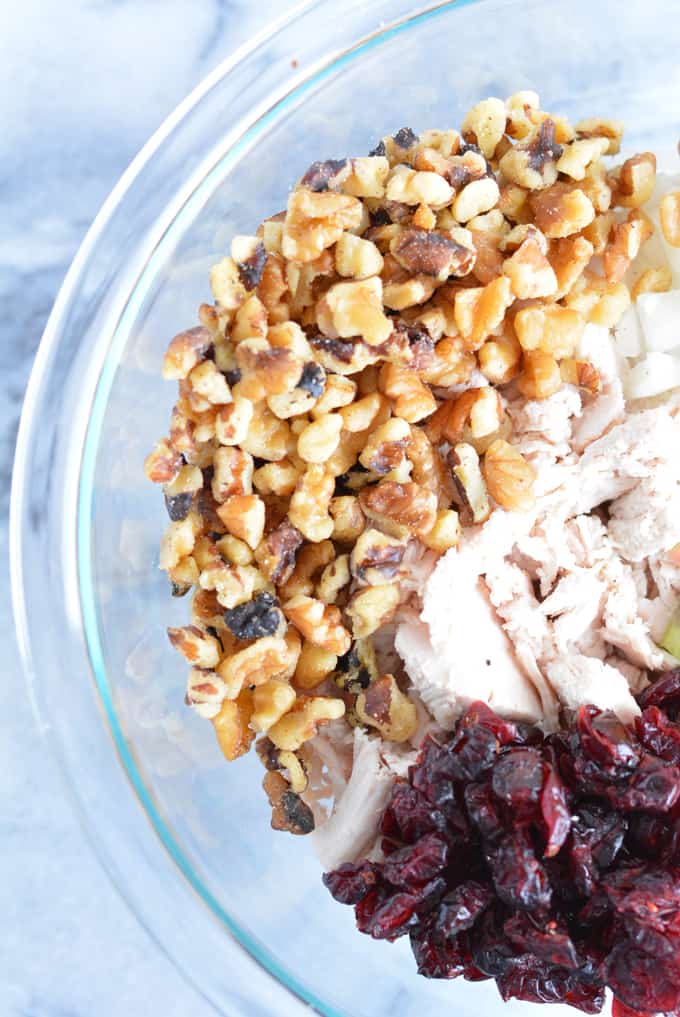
x=241 y=910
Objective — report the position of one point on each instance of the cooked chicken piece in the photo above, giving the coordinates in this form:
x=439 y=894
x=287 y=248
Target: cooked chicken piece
x=579 y=679
x=542 y=430
x=575 y=607
x=460 y=653
x=635 y=676
x=548 y=420
x=600 y=412
x=646 y=521
x=512 y=595
x=591 y=635
x=350 y=831
x=624 y=627
x=398 y=758
x=629 y=453
x=663 y=600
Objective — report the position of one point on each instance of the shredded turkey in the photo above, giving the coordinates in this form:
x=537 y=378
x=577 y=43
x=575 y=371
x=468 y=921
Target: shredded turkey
x=350 y=831
x=555 y=597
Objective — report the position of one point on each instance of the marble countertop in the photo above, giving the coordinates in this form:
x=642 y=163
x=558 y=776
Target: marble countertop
x=82 y=86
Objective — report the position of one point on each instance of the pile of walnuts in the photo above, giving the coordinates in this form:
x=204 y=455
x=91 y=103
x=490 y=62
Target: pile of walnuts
x=342 y=402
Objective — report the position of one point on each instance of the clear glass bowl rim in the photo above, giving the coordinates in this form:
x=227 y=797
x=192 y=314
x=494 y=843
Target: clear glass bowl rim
x=240 y=950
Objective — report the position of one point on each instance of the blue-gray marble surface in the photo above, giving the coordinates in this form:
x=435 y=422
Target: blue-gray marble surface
x=83 y=83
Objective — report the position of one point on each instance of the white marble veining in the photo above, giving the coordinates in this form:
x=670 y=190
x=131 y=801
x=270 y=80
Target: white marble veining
x=83 y=83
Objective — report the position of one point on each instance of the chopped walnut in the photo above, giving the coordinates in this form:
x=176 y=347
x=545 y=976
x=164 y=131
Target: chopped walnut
x=163 y=465
x=480 y=310
x=401 y=509
x=415 y=187
x=445 y=533
x=276 y=553
x=582 y=374
x=532 y=163
x=186 y=351
x=485 y=124
x=562 y=210
x=205 y=692
x=355 y=308
x=372 y=607
x=428 y=252
x=289 y=812
x=594 y=127
x=340 y=409
x=509 y=477
x=549 y=328
x=636 y=180
x=530 y=272
x=540 y=377
x=653 y=280
x=319 y=623
x=234 y=736
x=198 y=647
x=470 y=482
x=302 y=722
x=669 y=213
x=315 y=221
x=579 y=155
x=413 y=401
x=626 y=240
x=244 y=516
x=569 y=258
x=376 y=558
x=385 y=707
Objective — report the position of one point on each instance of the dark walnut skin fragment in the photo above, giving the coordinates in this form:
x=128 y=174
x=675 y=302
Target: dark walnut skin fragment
x=289 y=812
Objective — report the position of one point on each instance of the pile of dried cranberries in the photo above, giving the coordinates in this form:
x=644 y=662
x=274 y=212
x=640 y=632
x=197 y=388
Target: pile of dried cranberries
x=551 y=864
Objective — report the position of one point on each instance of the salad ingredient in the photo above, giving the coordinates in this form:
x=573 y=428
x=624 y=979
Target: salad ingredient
x=546 y=863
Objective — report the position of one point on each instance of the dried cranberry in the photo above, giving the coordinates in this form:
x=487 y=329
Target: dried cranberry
x=507 y=732
x=649 y=836
x=463 y=876
x=417 y=863
x=597 y=837
x=393 y=917
x=483 y=810
x=549 y=941
x=533 y=982
x=491 y=950
x=396 y=914
x=640 y=981
x=517 y=780
x=519 y=878
x=655 y=787
x=658 y=734
x=652 y=895
x=350 y=883
x=461 y=908
x=411 y=814
x=619 y=1009
x=556 y=812
x=436 y=959
x=367 y=907
x=607 y=741
x=472 y=752
x=665 y=692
